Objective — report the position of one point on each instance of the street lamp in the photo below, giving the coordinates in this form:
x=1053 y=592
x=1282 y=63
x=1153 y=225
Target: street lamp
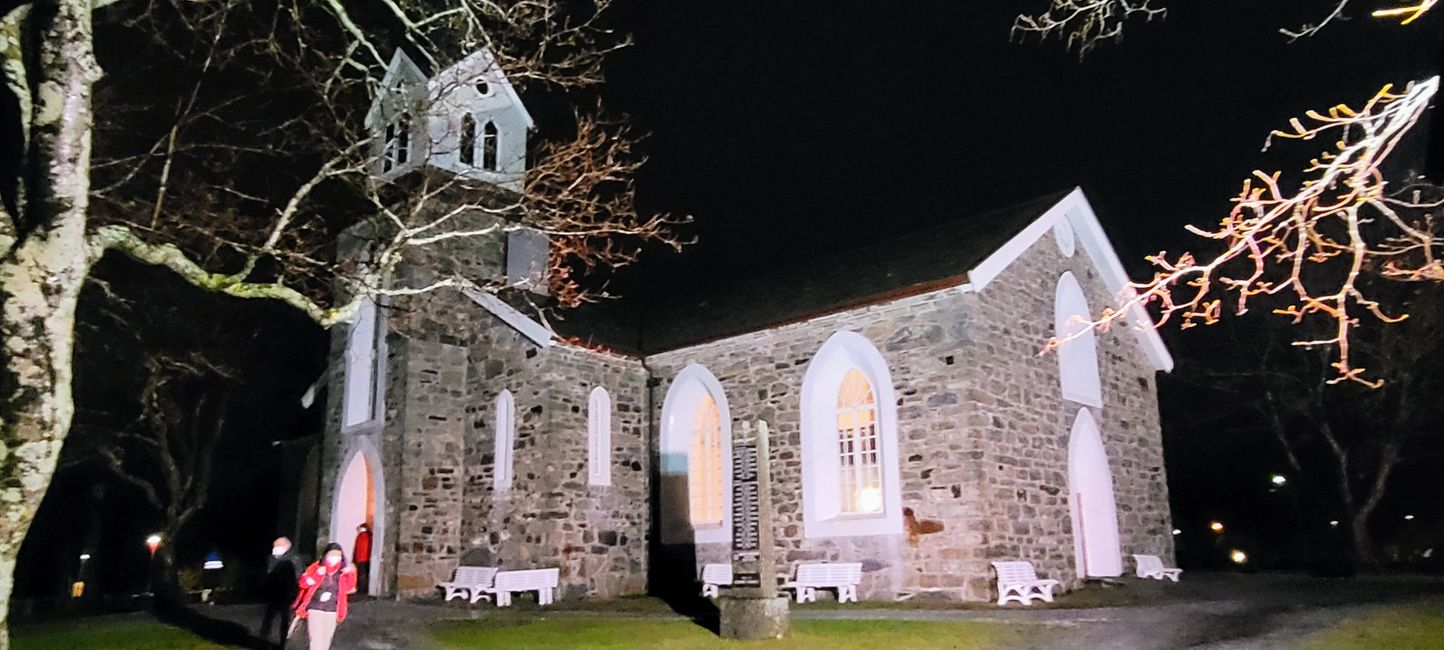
x=1279 y=480
x=152 y=542
x=1408 y=517
x=1177 y=531
x=1238 y=557
x=1216 y=526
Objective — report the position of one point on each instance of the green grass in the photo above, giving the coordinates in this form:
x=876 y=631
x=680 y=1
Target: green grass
x=595 y=634
x=108 y=633
x=1416 y=626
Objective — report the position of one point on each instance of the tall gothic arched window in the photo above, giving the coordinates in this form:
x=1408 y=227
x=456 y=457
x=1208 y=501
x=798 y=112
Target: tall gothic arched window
x=704 y=465
x=488 y=146
x=505 y=441
x=859 y=465
x=467 y=150
x=599 y=437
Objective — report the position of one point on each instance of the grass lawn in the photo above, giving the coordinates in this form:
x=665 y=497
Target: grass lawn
x=594 y=634
x=1416 y=626
x=109 y=632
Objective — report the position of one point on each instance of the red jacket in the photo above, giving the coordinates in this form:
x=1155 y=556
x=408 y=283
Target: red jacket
x=311 y=580
x=362 y=550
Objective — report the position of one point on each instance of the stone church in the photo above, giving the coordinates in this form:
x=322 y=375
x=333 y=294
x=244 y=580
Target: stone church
x=915 y=427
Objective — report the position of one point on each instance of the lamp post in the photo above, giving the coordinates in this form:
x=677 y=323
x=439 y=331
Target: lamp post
x=153 y=543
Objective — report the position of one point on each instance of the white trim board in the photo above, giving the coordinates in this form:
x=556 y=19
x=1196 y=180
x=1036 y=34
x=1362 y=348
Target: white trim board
x=529 y=328
x=1089 y=232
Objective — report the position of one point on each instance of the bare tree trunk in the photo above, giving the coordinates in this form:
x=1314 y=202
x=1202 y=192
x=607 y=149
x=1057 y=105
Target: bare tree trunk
x=41 y=274
x=1364 y=549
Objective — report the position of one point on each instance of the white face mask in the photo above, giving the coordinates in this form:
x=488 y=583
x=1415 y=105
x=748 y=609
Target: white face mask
x=278 y=551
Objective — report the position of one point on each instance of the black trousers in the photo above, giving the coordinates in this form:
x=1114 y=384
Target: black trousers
x=277 y=610
x=363 y=577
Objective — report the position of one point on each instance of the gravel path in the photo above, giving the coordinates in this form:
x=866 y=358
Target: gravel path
x=1220 y=611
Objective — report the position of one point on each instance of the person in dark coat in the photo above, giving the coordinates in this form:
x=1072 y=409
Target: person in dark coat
x=283 y=570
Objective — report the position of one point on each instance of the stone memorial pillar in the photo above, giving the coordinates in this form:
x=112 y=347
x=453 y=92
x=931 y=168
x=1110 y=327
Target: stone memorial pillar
x=751 y=609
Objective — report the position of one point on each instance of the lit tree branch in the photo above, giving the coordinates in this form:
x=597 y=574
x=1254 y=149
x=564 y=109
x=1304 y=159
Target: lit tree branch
x=1308 y=247
x=1084 y=24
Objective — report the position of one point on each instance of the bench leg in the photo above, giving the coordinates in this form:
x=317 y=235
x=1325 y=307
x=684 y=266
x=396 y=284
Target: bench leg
x=503 y=599
x=544 y=597
x=806 y=594
x=847 y=594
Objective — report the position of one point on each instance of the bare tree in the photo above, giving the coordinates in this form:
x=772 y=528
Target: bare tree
x=237 y=151
x=168 y=451
x=1307 y=243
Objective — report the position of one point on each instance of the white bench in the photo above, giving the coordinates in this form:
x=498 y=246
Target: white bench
x=542 y=581
x=1018 y=581
x=842 y=576
x=715 y=576
x=470 y=582
x=1149 y=566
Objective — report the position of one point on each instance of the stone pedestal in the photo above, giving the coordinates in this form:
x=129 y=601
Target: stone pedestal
x=747 y=618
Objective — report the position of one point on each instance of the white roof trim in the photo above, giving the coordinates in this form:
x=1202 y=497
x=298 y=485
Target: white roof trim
x=529 y=328
x=401 y=64
x=1089 y=232
x=488 y=64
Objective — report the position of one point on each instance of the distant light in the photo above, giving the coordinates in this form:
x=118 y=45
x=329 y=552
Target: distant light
x=211 y=565
x=1238 y=557
x=1333 y=523
x=1177 y=532
x=153 y=542
x=84 y=557
x=1279 y=480
x=1408 y=517
x=1215 y=526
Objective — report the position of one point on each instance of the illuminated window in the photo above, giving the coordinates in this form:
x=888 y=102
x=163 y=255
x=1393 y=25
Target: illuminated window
x=695 y=460
x=363 y=358
x=467 y=152
x=505 y=440
x=860 y=469
x=488 y=146
x=599 y=438
x=704 y=465
x=850 y=449
x=397 y=148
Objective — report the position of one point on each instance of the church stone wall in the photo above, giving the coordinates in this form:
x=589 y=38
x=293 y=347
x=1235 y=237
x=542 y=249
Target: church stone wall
x=550 y=517
x=983 y=431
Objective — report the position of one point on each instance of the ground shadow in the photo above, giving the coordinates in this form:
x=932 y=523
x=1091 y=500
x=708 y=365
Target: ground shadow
x=215 y=630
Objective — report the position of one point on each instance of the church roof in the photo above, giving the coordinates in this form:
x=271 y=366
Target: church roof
x=918 y=262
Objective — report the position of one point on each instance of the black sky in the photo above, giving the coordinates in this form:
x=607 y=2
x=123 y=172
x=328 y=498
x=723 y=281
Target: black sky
x=795 y=129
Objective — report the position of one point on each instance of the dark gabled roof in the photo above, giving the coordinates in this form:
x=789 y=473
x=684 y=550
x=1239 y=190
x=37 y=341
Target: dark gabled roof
x=914 y=263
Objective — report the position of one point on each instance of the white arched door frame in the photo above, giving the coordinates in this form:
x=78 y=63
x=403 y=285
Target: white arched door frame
x=362 y=447
x=1096 y=549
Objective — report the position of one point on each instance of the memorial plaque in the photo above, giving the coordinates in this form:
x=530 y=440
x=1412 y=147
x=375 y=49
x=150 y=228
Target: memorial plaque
x=751 y=610
x=746 y=540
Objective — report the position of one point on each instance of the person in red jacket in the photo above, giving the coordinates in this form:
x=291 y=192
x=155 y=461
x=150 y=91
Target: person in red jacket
x=325 y=587
x=361 y=556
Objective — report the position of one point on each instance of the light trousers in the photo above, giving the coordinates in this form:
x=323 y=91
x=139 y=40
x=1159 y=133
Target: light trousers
x=320 y=627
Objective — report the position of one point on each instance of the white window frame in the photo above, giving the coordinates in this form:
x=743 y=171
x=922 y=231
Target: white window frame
x=396 y=145
x=678 y=409
x=599 y=438
x=821 y=478
x=369 y=357
x=1078 y=373
x=504 y=443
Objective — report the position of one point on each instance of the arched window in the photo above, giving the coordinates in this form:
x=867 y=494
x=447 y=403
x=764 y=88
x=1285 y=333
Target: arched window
x=704 y=464
x=467 y=151
x=696 y=440
x=397 y=147
x=860 y=468
x=1094 y=507
x=488 y=146
x=1078 y=357
x=851 y=483
x=363 y=358
x=505 y=440
x=599 y=437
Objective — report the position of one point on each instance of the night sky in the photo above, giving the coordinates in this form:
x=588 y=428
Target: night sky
x=794 y=130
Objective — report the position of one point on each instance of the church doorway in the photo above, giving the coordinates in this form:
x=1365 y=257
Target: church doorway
x=1095 y=514
x=358 y=493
